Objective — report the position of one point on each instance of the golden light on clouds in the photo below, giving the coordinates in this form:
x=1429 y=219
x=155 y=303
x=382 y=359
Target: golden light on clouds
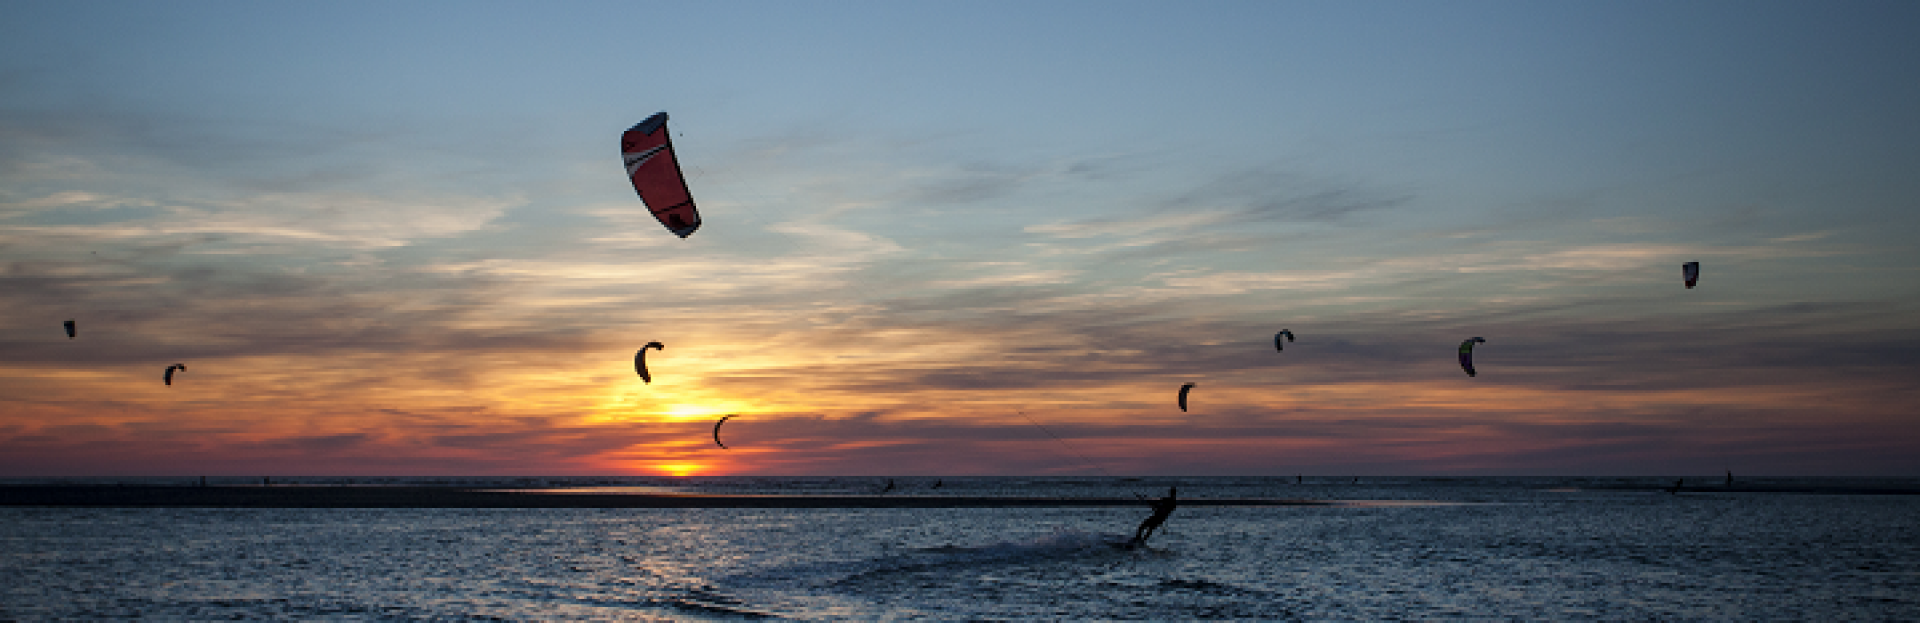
x=622 y=402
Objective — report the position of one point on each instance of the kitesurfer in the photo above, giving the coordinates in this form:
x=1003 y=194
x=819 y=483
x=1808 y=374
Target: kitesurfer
x=1161 y=509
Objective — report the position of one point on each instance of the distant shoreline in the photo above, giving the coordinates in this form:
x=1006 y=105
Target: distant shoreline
x=291 y=495
x=137 y=496
x=1713 y=487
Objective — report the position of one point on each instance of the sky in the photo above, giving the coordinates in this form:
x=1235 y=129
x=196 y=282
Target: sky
x=948 y=239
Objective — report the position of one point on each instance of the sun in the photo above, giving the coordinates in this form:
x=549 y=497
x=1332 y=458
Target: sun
x=680 y=469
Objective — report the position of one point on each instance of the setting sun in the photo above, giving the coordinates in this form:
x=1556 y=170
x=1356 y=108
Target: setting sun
x=680 y=469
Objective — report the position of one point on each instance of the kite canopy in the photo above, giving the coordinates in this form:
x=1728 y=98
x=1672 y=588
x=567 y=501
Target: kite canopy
x=1277 y=336
x=1691 y=272
x=640 y=360
x=1183 y=395
x=716 y=430
x=169 y=376
x=647 y=149
x=69 y=329
x=1466 y=354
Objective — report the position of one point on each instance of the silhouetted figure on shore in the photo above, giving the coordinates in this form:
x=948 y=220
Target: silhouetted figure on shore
x=1729 y=479
x=1161 y=509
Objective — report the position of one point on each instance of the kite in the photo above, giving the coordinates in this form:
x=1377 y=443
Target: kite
x=647 y=149
x=69 y=329
x=640 y=360
x=169 y=377
x=1276 y=338
x=716 y=430
x=1183 y=395
x=1466 y=354
x=1691 y=272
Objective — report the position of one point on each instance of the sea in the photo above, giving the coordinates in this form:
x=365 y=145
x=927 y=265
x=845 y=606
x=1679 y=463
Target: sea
x=1370 y=548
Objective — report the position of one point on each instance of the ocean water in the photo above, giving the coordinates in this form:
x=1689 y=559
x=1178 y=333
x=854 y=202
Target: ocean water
x=1541 y=548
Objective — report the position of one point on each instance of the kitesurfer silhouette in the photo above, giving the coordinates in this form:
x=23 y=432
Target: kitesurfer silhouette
x=1161 y=509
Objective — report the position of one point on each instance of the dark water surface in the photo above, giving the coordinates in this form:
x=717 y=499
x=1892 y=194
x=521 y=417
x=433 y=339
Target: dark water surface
x=1496 y=547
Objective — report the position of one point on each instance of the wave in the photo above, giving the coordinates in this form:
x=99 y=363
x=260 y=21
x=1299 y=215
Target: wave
x=1062 y=545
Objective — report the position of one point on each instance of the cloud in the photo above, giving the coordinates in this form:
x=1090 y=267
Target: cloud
x=949 y=185
x=1236 y=199
x=881 y=316
x=351 y=220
